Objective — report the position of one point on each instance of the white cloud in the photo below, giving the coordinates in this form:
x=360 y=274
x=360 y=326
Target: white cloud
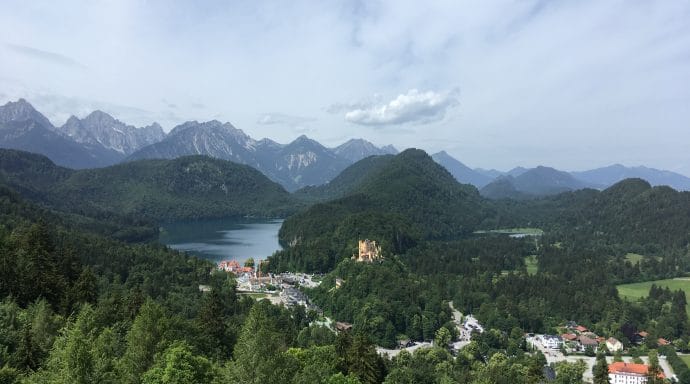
x=411 y=107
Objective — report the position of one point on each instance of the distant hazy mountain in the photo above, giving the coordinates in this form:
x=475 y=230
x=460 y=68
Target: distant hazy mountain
x=24 y=128
x=390 y=150
x=99 y=128
x=503 y=188
x=356 y=149
x=610 y=175
x=491 y=173
x=517 y=171
x=535 y=182
x=460 y=171
x=542 y=181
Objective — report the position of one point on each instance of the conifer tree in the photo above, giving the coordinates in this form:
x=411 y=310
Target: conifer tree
x=600 y=371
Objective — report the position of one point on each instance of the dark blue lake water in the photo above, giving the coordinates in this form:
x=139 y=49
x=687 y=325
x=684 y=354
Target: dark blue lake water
x=224 y=239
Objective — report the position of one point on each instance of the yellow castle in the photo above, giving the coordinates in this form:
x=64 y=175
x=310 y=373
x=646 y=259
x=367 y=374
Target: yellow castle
x=368 y=251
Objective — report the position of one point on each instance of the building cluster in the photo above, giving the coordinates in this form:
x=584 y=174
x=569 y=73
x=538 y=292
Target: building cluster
x=578 y=338
x=234 y=267
x=368 y=251
x=629 y=373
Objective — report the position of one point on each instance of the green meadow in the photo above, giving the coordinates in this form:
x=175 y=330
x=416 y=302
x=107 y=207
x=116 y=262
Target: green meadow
x=637 y=290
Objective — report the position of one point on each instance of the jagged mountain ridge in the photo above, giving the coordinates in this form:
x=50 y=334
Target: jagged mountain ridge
x=21 y=110
x=99 y=128
x=100 y=140
x=211 y=138
x=23 y=127
x=301 y=163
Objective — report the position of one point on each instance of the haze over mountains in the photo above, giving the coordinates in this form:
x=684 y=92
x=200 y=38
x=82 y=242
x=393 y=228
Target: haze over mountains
x=100 y=140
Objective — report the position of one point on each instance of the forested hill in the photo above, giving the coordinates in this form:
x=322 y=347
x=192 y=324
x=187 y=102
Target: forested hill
x=408 y=198
x=184 y=188
x=631 y=213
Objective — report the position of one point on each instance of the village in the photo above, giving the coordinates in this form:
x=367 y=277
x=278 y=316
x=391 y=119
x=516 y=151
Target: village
x=575 y=342
x=579 y=343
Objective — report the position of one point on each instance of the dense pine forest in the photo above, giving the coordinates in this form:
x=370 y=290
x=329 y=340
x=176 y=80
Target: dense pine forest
x=89 y=296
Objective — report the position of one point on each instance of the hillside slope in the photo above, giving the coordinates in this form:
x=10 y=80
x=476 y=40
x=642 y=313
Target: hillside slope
x=185 y=188
x=409 y=198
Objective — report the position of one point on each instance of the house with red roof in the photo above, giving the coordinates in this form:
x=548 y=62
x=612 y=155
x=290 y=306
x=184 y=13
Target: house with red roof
x=569 y=336
x=629 y=373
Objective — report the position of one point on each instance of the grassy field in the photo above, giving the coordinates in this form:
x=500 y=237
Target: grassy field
x=509 y=231
x=638 y=290
x=531 y=264
x=686 y=359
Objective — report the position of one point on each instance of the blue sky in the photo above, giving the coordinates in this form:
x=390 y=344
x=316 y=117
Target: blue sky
x=570 y=84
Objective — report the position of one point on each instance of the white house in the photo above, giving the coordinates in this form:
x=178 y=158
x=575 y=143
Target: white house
x=552 y=341
x=613 y=345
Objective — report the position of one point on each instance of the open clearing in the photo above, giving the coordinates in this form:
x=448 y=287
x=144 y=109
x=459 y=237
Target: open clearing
x=634 y=258
x=637 y=290
x=531 y=264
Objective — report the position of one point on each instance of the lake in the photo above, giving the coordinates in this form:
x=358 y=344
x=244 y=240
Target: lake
x=224 y=239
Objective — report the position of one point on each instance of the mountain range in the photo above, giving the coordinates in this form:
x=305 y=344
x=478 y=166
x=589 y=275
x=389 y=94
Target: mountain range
x=99 y=140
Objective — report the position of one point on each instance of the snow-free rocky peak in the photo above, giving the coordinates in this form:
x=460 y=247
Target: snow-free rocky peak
x=99 y=128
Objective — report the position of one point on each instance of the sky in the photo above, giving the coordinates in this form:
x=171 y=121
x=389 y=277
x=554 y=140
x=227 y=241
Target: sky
x=569 y=84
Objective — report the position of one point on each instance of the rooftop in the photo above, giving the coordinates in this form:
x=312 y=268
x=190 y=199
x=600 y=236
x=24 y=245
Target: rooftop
x=630 y=368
